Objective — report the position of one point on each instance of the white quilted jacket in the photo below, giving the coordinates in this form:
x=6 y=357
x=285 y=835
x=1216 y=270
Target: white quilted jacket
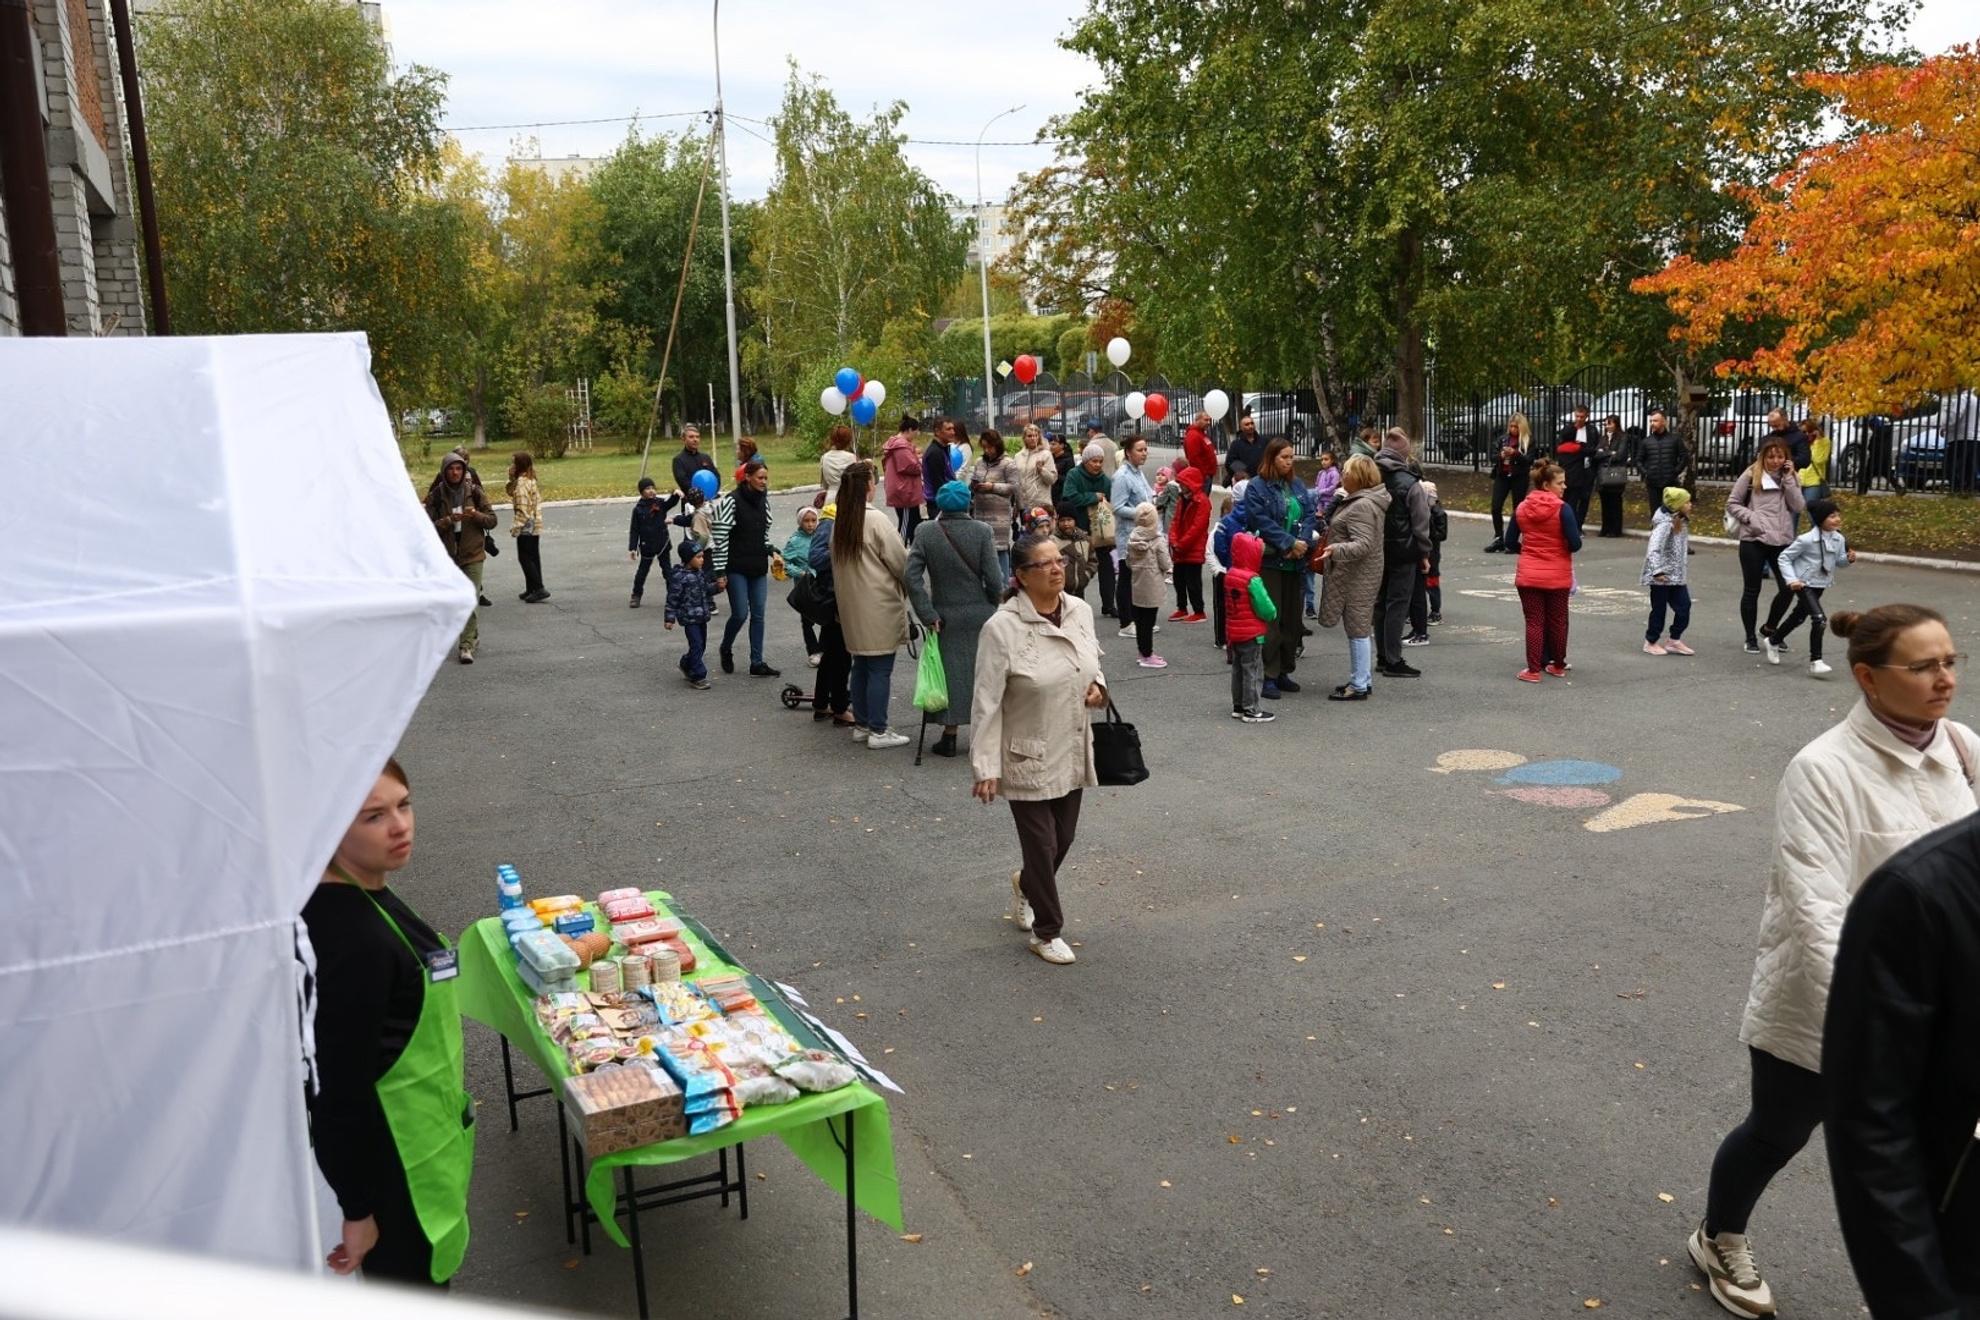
x=1848 y=801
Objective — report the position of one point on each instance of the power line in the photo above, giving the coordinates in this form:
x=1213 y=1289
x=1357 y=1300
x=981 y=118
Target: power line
x=686 y=114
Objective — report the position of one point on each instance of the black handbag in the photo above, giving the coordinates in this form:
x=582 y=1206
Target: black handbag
x=811 y=603
x=1117 y=751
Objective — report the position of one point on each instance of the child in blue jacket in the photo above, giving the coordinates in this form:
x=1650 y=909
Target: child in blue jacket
x=688 y=604
x=1809 y=567
x=1228 y=526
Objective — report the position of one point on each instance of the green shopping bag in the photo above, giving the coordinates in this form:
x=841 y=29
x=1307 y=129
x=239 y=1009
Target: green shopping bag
x=931 y=681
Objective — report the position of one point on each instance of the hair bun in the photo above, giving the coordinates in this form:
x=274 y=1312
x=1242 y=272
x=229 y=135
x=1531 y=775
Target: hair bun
x=1843 y=622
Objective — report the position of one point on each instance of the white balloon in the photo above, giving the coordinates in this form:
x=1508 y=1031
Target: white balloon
x=876 y=392
x=1216 y=403
x=1118 y=350
x=831 y=400
x=1135 y=403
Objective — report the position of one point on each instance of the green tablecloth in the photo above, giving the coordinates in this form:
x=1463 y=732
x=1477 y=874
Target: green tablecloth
x=491 y=993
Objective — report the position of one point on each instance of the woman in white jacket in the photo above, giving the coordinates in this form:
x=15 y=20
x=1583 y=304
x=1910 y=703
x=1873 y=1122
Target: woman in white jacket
x=1894 y=770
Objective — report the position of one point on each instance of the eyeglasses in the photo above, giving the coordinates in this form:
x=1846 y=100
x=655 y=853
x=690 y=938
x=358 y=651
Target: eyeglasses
x=1042 y=563
x=1949 y=664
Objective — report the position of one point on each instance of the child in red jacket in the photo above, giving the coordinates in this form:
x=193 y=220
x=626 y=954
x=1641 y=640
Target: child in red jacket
x=1189 y=541
x=1248 y=608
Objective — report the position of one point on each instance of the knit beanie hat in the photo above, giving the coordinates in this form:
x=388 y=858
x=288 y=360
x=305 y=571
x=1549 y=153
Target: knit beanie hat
x=1092 y=452
x=953 y=497
x=1676 y=498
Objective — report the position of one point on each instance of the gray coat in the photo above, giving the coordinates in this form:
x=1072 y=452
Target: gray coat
x=952 y=575
x=1354 y=566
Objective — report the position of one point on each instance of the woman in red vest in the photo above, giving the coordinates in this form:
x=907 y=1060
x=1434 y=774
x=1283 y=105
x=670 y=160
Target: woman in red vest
x=1545 y=535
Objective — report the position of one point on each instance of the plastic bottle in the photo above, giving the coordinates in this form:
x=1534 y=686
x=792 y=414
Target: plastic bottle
x=509 y=883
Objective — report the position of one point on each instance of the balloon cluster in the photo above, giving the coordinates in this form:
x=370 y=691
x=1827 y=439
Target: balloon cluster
x=1152 y=406
x=851 y=390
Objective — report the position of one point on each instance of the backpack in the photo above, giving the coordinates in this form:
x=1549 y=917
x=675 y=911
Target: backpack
x=1396 y=533
x=1440 y=522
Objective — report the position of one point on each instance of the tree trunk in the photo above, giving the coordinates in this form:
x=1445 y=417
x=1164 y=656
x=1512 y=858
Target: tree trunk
x=1409 y=334
x=478 y=402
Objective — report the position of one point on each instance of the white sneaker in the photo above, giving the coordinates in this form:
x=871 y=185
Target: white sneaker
x=1126 y=632
x=882 y=741
x=1773 y=651
x=861 y=733
x=1819 y=669
x=1052 y=951
x=1020 y=905
x=1727 y=1261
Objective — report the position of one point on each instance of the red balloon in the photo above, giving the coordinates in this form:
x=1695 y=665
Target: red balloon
x=1156 y=406
x=1025 y=368
x=856 y=393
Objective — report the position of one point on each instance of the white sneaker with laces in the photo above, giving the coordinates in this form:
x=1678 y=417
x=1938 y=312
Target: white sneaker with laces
x=1126 y=632
x=1728 y=1263
x=861 y=733
x=881 y=741
x=1819 y=669
x=1053 y=950
x=1773 y=651
x=1020 y=905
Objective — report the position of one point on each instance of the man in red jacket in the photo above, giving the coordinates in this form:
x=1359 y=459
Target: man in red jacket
x=1198 y=451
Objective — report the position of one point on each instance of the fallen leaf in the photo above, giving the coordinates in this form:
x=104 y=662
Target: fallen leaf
x=522 y=1214
x=1291 y=1110
x=969 y=1157
x=1258 y=1113
x=1665 y=1197
x=1165 y=1182
x=888 y=1050
x=1024 y=1269
x=1498 y=985
x=1639 y=1065
x=1553 y=1202
x=1038 y=1019
x=911 y=1237
x=1237 y=1300
x=1299 y=957
x=572 y=1263
x=1235 y=1139
x=1593 y=1303
x=1264 y=1273
x=1423 y=1200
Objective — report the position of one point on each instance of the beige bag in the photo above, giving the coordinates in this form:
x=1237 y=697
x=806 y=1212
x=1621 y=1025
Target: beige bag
x=1103 y=521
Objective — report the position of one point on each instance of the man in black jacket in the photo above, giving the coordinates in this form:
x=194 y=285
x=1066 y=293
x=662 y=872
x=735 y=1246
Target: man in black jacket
x=1661 y=457
x=691 y=460
x=1901 y=1059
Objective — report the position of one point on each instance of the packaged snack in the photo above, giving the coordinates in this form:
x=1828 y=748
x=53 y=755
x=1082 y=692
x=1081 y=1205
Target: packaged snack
x=592 y=1053
x=573 y=923
x=545 y=952
x=552 y=1009
x=676 y=1003
x=627 y=909
x=816 y=1070
x=614 y=895
x=605 y=977
x=763 y=1087
x=687 y=1060
x=621 y=1108
x=637 y=1019
x=634 y=933
x=730 y=994
x=580 y=1026
x=550 y=907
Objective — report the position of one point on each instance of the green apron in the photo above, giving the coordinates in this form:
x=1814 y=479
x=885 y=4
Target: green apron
x=430 y=1113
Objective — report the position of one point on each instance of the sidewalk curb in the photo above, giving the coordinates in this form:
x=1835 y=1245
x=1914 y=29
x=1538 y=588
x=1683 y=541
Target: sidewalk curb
x=1863 y=556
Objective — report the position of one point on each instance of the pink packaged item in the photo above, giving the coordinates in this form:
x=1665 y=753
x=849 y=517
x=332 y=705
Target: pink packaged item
x=614 y=895
x=627 y=909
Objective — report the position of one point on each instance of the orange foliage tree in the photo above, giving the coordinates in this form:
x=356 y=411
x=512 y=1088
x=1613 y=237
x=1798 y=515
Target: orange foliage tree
x=1861 y=266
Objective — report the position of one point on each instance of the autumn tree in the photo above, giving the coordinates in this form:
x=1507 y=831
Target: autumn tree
x=1862 y=261
x=296 y=176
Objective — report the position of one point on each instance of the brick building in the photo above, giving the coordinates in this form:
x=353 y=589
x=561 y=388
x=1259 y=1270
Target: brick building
x=82 y=111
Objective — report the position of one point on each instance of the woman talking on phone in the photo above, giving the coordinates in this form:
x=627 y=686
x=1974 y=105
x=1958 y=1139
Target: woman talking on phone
x=392 y=1125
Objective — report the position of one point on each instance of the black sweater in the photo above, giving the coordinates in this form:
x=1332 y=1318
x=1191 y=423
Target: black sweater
x=369 y=989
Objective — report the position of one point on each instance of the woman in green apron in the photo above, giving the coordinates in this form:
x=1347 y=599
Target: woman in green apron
x=392 y=1126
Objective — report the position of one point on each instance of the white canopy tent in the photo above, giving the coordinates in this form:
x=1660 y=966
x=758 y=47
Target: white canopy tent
x=219 y=605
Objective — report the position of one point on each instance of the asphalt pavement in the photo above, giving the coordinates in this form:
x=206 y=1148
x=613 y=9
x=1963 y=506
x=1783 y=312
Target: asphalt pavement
x=1357 y=1029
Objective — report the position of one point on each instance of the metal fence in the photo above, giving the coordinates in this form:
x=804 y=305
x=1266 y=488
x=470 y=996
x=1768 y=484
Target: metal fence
x=1461 y=426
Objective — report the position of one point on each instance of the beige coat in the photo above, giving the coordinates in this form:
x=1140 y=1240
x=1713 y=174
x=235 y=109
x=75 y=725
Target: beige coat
x=1033 y=731
x=1354 y=568
x=872 y=590
x=1848 y=801
x=1035 y=474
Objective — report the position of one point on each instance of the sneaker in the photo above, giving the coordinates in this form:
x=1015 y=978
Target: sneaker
x=1417 y=639
x=1237 y=712
x=813 y=660
x=1270 y=691
x=762 y=670
x=882 y=741
x=1752 y=647
x=1020 y=905
x=1773 y=649
x=700 y=684
x=1126 y=632
x=1727 y=1261
x=1529 y=676
x=1819 y=669
x=1399 y=671
x=1495 y=547
x=1198 y=617
x=536 y=597
x=1286 y=683
x=1348 y=692
x=1436 y=619
x=633 y=604
x=728 y=662
x=467 y=655
x=1258 y=717
x=1556 y=671
x=1053 y=950
x=484 y=602
x=1177 y=616
x=861 y=733
x=1651 y=648
x=1675 y=647
x=1152 y=662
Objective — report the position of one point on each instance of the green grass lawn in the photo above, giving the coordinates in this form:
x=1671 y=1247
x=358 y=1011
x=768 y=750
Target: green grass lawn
x=604 y=471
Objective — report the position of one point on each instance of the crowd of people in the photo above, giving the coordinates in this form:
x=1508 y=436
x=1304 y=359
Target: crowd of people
x=1870 y=925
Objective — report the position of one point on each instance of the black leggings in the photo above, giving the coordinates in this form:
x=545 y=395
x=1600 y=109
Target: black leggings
x=1758 y=560
x=1807 y=605
x=1787 y=1108
x=1189 y=588
x=1144 y=629
x=1110 y=590
x=1504 y=487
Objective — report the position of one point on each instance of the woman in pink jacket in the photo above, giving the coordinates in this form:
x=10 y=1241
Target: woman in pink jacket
x=1545 y=535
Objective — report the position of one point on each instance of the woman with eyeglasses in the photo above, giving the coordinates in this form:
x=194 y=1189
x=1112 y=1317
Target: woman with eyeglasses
x=1894 y=770
x=1037 y=674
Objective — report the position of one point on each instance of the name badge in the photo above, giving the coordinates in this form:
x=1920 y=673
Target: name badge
x=443 y=965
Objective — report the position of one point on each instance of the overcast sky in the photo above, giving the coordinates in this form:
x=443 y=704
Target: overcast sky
x=518 y=61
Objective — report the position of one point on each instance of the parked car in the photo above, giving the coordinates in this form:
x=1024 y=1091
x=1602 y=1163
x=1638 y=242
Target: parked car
x=1728 y=433
x=1462 y=431
x=1919 y=454
x=1283 y=413
x=1632 y=405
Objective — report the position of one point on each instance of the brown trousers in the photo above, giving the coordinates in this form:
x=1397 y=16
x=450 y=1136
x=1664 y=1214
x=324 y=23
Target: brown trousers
x=1045 y=835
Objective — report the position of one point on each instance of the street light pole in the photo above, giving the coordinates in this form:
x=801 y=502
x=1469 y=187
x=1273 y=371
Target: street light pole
x=983 y=266
x=728 y=261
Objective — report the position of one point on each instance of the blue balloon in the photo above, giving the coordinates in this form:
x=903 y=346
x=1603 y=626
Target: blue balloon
x=864 y=410
x=847 y=380
x=956 y=459
x=707 y=483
